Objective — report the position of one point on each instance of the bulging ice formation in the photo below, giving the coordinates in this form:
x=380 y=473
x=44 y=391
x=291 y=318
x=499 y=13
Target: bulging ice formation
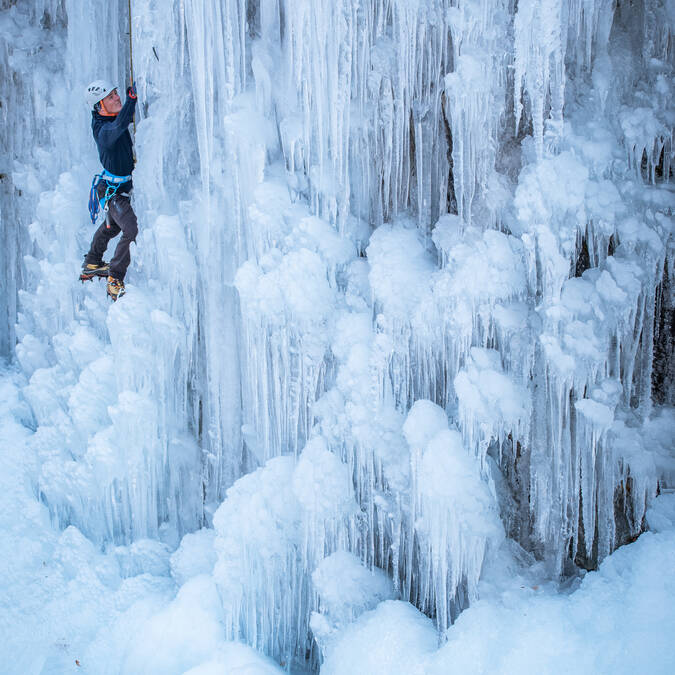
x=400 y=307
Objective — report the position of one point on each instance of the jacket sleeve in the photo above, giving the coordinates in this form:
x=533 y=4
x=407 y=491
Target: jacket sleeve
x=108 y=133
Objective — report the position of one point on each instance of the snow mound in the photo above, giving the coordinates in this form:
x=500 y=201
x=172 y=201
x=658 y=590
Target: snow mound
x=389 y=640
x=346 y=589
x=195 y=555
x=183 y=635
x=238 y=659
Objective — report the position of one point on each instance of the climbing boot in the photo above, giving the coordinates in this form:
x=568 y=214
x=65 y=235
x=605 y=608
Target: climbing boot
x=115 y=288
x=91 y=270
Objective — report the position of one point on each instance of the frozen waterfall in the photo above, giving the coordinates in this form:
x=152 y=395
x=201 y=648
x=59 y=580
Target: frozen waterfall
x=398 y=319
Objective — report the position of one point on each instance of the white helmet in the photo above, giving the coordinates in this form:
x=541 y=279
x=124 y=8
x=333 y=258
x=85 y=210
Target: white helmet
x=97 y=90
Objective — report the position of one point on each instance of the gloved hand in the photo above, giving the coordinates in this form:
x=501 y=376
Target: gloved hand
x=131 y=91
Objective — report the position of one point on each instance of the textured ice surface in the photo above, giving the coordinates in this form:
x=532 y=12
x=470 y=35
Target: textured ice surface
x=275 y=525
x=403 y=268
x=529 y=627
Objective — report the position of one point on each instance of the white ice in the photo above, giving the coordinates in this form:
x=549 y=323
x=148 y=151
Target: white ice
x=391 y=386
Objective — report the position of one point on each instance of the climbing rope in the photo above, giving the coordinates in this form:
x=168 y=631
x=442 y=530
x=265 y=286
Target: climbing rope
x=131 y=65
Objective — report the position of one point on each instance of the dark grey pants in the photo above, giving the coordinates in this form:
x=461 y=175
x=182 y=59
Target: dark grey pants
x=120 y=217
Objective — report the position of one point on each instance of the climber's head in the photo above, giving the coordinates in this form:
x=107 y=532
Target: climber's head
x=111 y=104
x=103 y=97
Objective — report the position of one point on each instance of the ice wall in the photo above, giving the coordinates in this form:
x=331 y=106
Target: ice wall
x=16 y=142
x=416 y=249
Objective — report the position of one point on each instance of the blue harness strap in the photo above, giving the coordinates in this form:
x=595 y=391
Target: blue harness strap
x=112 y=182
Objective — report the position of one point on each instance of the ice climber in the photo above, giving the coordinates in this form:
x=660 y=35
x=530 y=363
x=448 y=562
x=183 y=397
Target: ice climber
x=111 y=189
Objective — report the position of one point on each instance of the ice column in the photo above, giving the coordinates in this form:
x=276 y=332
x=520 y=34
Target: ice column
x=274 y=527
x=474 y=96
x=359 y=83
x=31 y=51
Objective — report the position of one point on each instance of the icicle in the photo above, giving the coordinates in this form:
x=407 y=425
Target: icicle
x=297 y=515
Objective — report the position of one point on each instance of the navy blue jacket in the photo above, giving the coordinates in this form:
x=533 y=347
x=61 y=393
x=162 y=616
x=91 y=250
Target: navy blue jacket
x=114 y=141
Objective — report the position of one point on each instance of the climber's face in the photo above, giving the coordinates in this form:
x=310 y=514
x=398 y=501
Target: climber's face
x=112 y=102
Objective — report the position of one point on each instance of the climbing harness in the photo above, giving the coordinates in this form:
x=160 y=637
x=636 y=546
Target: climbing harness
x=112 y=184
